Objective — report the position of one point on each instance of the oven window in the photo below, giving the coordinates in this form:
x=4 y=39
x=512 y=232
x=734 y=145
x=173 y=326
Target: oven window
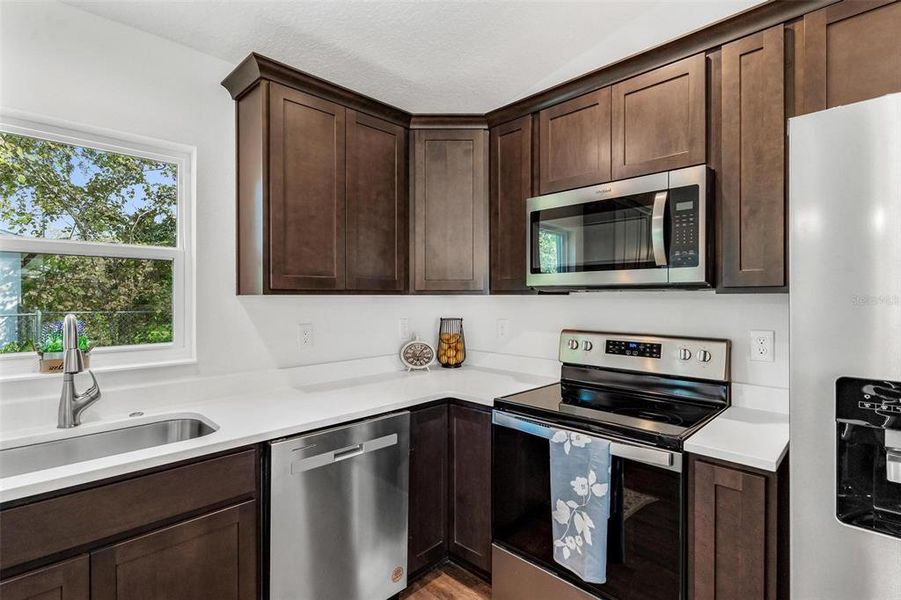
x=644 y=542
x=605 y=235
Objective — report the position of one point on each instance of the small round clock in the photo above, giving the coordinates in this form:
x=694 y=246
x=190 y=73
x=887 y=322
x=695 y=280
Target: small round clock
x=417 y=355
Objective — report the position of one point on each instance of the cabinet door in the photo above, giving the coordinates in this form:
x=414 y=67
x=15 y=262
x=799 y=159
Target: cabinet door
x=727 y=542
x=306 y=192
x=574 y=142
x=659 y=119
x=428 y=488
x=470 y=486
x=450 y=211
x=752 y=172
x=376 y=204
x=852 y=52
x=212 y=557
x=62 y=581
x=511 y=185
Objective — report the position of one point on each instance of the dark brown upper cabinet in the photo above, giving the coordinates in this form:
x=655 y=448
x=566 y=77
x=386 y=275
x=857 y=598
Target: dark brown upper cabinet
x=659 y=119
x=450 y=210
x=852 y=52
x=574 y=144
x=376 y=241
x=306 y=191
x=322 y=185
x=510 y=186
x=752 y=168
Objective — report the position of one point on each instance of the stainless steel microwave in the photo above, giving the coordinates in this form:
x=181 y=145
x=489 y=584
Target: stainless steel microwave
x=651 y=231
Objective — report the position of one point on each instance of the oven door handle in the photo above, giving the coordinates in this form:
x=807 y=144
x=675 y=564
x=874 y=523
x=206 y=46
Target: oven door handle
x=543 y=429
x=658 y=229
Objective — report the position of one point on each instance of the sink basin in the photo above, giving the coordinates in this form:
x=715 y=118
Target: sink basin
x=55 y=453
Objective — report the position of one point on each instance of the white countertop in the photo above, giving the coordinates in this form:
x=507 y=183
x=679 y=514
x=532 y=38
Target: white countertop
x=250 y=418
x=755 y=438
x=750 y=437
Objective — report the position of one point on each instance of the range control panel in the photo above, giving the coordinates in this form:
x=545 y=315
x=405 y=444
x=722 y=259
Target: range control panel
x=681 y=357
x=633 y=348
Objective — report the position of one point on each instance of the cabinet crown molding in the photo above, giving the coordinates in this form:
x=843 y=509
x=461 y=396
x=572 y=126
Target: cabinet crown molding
x=257 y=67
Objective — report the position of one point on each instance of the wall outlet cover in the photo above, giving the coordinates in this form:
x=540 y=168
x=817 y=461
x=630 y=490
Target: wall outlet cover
x=305 y=336
x=762 y=345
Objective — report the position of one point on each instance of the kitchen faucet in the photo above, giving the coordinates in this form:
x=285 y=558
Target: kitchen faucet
x=71 y=403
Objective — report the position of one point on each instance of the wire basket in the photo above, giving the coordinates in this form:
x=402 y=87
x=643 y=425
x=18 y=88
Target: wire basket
x=451 y=343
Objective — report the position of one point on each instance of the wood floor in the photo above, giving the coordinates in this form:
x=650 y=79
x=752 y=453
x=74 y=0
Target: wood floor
x=448 y=582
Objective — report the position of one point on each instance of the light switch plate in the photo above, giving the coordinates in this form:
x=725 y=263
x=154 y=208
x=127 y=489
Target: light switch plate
x=762 y=345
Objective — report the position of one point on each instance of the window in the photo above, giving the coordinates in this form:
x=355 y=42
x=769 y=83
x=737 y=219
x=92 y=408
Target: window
x=98 y=227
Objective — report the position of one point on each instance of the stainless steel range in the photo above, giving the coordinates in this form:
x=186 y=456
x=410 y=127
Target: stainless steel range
x=645 y=394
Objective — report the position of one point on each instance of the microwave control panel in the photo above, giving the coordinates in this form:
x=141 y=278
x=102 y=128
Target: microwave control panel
x=684 y=206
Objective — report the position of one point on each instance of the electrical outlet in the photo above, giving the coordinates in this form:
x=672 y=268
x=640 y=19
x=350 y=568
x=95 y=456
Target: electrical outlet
x=762 y=349
x=403 y=328
x=503 y=328
x=305 y=336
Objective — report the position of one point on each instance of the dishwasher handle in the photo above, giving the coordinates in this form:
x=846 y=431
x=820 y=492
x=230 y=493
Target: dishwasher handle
x=332 y=456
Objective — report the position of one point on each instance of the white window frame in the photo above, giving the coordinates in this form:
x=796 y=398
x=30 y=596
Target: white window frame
x=181 y=350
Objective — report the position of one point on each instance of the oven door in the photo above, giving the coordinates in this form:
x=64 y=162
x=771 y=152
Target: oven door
x=645 y=535
x=612 y=234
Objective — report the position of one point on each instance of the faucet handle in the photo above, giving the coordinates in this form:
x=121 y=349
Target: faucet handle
x=94 y=391
x=73 y=360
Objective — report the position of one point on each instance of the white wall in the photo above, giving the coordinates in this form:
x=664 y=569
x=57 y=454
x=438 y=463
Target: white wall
x=66 y=64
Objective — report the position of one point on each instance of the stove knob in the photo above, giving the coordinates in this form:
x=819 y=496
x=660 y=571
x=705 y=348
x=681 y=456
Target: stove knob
x=704 y=356
x=587 y=346
x=573 y=344
x=684 y=354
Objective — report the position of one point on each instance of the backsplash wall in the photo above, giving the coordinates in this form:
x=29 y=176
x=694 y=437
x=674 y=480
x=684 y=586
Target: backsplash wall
x=356 y=327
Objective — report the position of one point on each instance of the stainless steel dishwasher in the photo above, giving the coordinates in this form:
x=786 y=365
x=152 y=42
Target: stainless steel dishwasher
x=338 y=514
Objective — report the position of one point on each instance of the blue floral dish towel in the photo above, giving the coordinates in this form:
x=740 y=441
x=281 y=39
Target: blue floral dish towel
x=580 y=499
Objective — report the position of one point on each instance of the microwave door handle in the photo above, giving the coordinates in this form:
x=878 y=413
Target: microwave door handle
x=658 y=224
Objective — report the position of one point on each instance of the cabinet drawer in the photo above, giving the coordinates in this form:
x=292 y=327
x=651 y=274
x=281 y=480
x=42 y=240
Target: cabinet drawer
x=47 y=527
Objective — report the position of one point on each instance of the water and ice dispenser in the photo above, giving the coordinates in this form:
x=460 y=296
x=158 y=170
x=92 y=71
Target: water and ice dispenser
x=868 y=430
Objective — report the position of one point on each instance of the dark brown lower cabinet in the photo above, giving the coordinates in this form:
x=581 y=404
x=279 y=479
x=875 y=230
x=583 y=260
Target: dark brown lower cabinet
x=67 y=580
x=428 y=488
x=450 y=487
x=469 y=538
x=212 y=557
x=738 y=531
x=158 y=535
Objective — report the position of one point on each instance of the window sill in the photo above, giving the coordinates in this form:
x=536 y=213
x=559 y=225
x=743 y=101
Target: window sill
x=24 y=368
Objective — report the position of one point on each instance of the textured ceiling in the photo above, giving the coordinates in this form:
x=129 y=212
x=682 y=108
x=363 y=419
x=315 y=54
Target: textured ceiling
x=425 y=57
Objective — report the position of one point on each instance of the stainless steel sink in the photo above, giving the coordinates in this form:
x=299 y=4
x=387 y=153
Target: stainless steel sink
x=55 y=453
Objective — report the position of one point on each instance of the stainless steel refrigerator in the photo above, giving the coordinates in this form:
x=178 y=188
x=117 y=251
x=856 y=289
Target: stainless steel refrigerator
x=845 y=265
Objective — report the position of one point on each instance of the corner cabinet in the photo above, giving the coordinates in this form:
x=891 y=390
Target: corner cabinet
x=450 y=210
x=738 y=531
x=427 y=544
x=321 y=185
x=450 y=487
x=510 y=187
